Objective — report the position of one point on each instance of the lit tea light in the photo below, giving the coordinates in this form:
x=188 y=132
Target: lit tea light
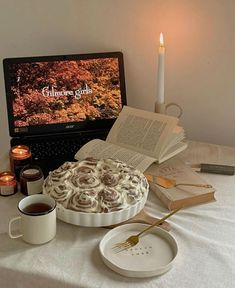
x=8 y=183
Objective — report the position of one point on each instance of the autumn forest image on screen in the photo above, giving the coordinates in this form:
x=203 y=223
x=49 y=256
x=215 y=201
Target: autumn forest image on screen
x=65 y=91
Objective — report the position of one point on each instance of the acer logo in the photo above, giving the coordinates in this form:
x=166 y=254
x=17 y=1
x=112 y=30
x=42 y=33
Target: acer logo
x=69 y=126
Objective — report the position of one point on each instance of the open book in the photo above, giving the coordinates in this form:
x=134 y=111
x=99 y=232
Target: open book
x=138 y=138
x=182 y=195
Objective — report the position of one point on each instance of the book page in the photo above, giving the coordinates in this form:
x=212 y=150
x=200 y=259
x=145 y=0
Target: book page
x=101 y=149
x=175 y=137
x=172 y=151
x=142 y=131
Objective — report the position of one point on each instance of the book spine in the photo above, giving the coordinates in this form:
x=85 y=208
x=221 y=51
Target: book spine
x=200 y=199
x=172 y=205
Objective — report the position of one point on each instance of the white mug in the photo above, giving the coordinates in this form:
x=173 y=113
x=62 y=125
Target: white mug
x=37 y=219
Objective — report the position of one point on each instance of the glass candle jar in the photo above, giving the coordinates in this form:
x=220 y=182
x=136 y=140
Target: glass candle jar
x=20 y=156
x=31 y=180
x=8 y=183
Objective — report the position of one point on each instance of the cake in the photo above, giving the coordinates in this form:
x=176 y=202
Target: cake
x=96 y=186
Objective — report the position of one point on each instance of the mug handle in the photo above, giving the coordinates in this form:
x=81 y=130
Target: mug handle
x=13 y=236
x=177 y=105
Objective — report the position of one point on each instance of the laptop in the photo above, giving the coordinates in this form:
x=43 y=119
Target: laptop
x=56 y=104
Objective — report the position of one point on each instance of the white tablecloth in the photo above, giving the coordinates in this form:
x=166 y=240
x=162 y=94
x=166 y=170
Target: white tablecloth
x=205 y=235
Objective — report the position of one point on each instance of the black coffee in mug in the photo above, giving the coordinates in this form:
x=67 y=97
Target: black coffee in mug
x=37 y=208
x=37 y=219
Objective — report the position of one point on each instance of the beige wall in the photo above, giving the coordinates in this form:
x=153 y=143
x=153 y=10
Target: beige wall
x=200 y=52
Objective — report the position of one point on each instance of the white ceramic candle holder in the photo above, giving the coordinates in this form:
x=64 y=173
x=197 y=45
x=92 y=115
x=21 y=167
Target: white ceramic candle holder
x=162 y=108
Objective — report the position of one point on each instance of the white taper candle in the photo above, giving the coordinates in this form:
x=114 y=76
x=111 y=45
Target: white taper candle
x=160 y=75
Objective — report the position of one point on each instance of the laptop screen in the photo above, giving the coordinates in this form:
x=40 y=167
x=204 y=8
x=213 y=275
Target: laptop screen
x=64 y=93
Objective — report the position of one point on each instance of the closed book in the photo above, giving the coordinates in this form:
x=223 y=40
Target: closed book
x=180 y=195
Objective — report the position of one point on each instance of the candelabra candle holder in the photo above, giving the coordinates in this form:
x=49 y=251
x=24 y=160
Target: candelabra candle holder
x=162 y=108
x=20 y=156
x=8 y=184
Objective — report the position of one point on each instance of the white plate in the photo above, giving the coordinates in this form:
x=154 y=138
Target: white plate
x=153 y=255
x=99 y=219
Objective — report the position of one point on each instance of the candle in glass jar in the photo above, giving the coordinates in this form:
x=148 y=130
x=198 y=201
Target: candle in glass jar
x=20 y=156
x=31 y=180
x=8 y=184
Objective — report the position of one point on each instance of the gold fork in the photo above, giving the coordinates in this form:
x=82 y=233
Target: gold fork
x=134 y=239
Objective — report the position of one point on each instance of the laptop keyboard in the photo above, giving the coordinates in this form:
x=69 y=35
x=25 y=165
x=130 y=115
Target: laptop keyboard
x=53 y=149
x=50 y=152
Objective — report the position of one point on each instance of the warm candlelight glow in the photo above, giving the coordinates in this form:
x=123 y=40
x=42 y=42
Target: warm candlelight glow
x=20 y=156
x=20 y=152
x=5 y=177
x=8 y=184
x=161 y=40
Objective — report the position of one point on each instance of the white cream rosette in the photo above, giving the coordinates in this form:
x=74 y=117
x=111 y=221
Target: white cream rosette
x=111 y=200
x=83 y=202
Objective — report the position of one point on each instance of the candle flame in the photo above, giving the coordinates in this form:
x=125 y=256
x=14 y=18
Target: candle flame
x=161 y=40
x=6 y=177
